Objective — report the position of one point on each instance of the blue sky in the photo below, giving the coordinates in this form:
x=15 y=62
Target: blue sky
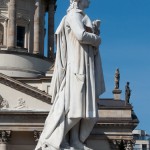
x=125 y=33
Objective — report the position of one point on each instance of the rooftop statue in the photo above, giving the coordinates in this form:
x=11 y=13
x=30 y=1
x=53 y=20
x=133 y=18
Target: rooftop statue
x=117 y=79
x=127 y=93
x=77 y=82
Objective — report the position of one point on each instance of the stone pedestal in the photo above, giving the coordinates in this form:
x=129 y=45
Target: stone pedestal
x=12 y=24
x=117 y=94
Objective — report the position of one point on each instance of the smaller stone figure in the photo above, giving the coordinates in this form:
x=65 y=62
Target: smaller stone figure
x=127 y=93
x=117 y=79
x=21 y=104
x=3 y=103
x=3 y=136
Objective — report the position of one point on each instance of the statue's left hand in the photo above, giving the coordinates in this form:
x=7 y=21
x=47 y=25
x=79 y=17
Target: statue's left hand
x=96 y=26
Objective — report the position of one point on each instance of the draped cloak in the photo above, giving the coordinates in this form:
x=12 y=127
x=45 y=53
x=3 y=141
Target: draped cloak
x=77 y=80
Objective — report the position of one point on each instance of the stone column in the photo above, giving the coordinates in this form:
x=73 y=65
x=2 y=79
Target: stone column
x=4 y=137
x=37 y=27
x=5 y=32
x=26 y=44
x=42 y=28
x=12 y=24
x=51 y=13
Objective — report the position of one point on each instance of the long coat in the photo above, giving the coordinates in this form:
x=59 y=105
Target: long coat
x=77 y=80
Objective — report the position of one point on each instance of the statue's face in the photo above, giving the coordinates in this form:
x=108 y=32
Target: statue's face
x=84 y=3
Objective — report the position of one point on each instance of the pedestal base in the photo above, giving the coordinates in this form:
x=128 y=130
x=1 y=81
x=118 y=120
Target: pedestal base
x=117 y=94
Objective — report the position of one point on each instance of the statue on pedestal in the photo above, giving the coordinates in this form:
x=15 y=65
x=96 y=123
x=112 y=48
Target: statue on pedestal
x=127 y=93
x=76 y=84
x=117 y=79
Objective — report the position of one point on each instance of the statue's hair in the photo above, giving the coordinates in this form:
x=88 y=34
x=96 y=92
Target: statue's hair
x=71 y=1
x=73 y=4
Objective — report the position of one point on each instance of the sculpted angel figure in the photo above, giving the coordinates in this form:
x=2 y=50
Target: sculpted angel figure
x=77 y=82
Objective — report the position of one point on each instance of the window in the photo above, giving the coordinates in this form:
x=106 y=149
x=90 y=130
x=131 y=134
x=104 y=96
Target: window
x=144 y=147
x=20 y=36
x=48 y=89
x=1 y=34
x=136 y=136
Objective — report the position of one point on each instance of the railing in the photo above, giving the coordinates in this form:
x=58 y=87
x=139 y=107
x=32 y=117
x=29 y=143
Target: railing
x=141 y=148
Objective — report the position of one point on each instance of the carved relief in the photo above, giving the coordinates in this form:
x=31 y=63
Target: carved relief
x=37 y=135
x=21 y=104
x=3 y=103
x=129 y=145
x=4 y=136
x=122 y=144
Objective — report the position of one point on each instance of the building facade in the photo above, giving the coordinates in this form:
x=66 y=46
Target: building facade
x=142 y=140
x=25 y=77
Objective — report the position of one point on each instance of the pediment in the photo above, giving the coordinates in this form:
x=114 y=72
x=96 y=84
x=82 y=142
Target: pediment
x=17 y=96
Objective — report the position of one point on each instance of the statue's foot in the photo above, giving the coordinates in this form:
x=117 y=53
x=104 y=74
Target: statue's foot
x=87 y=148
x=65 y=146
x=77 y=145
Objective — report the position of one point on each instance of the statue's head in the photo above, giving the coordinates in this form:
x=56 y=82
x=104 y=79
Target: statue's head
x=84 y=3
x=81 y=4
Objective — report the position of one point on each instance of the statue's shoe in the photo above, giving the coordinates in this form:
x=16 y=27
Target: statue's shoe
x=80 y=148
x=65 y=146
x=87 y=148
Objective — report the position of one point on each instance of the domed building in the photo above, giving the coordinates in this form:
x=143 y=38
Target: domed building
x=25 y=77
x=22 y=32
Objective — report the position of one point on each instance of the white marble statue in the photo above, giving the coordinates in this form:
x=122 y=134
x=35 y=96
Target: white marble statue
x=76 y=84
